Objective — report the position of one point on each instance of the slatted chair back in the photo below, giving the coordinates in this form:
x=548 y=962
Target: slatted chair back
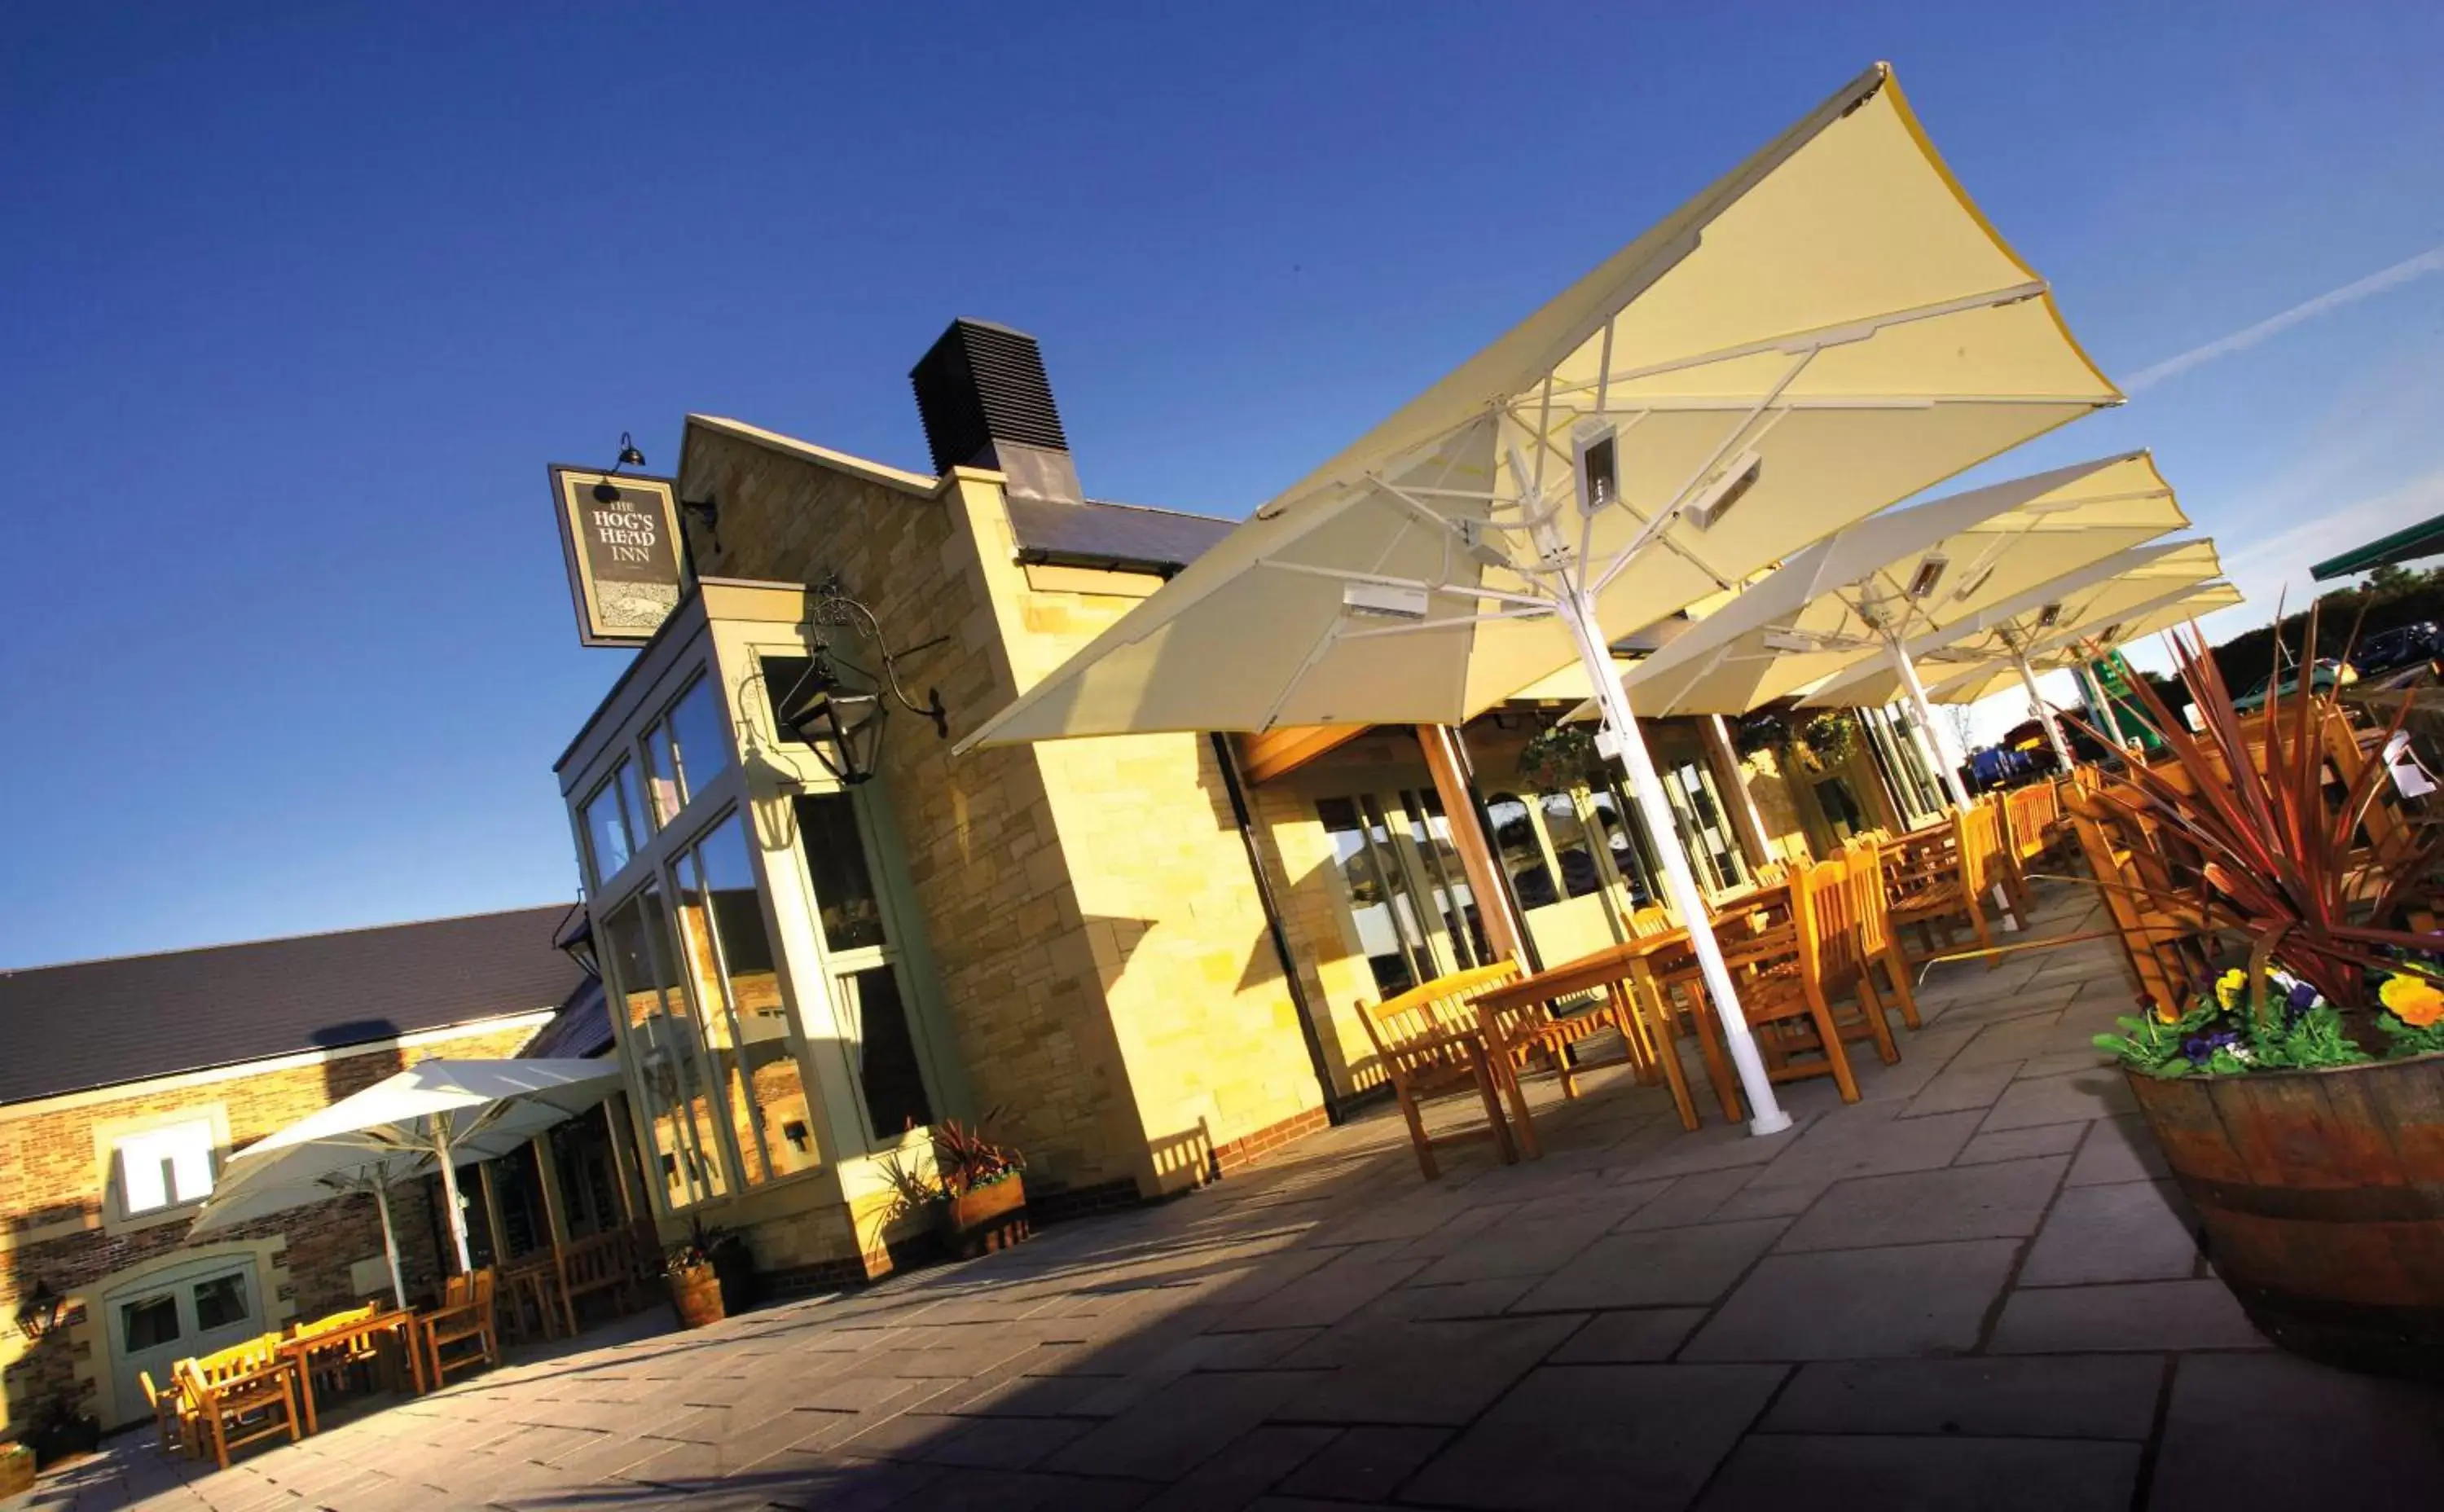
x=1825 y=904
x=332 y=1323
x=1978 y=833
x=2149 y=938
x=1650 y=921
x=2031 y=815
x=1430 y=1008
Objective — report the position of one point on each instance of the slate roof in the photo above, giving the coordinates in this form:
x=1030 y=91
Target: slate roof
x=96 y=1023
x=1124 y=537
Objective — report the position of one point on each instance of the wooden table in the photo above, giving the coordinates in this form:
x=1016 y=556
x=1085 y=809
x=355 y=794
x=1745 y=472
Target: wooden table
x=302 y=1351
x=1642 y=970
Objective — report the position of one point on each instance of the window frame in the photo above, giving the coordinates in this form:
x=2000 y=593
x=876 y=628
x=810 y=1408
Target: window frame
x=108 y=1135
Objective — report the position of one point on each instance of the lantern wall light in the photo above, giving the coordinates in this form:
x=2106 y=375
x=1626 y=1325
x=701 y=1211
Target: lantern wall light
x=836 y=709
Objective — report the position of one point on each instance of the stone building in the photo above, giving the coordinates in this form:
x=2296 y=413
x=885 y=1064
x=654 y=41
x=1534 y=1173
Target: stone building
x=128 y=1082
x=1137 y=957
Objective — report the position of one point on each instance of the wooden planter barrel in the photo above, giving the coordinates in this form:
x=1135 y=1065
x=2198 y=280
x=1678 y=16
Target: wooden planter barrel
x=2322 y=1197
x=695 y=1296
x=989 y=1218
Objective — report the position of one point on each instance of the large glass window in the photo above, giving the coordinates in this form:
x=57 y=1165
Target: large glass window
x=1568 y=834
x=1522 y=853
x=165 y=1168
x=1704 y=828
x=1430 y=831
x=1380 y=904
x=661 y=1044
x=149 y=1323
x=614 y=820
x=1631 y=848
x=745 y=1025
x=221 y=1301
x=686 y=750
x=868 y=992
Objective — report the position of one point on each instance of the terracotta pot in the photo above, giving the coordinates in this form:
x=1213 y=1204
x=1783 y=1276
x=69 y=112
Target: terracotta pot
x=2323 y=1196
x=987 y=1219
x=695 y=1296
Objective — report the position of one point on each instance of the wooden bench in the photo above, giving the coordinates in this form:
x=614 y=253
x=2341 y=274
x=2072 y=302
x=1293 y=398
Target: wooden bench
x=240 y=1395
x=464 y=1317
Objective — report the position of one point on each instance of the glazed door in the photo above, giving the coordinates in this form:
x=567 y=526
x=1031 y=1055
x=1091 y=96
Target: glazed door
x=174 y=1315
x=1399 y=915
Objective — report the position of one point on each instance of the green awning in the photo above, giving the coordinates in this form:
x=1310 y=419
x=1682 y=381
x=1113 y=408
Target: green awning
x=2425 y=538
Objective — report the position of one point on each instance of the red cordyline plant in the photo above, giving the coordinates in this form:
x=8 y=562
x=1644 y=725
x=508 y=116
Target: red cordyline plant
x=2276 y=862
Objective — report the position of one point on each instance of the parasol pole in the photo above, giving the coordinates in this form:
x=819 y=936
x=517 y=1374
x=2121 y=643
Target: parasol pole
x=2037 y=705
x=390 y=1240
x=1577 y=608
x=450 y=1190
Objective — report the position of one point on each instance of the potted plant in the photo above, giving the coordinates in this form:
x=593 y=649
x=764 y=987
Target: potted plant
x=704 y=1274
x=2299 y=1099
x=1561 y=757
x=977 y=1193
x=60 y=1431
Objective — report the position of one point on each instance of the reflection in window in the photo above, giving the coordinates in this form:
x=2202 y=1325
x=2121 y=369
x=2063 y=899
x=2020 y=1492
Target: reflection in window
x=1523 y=858
x=835 y=852
x=614 y=819
x=221 y=1302
x=888 y=1075
x=746 y=1026
x=1383 y=930
x=149 y=1323
x=1704 y=831
x=166 y=1166
x=662 y=1046
x=1626 y=842
x=687 y=749
x=1569 y=837
x=1447 y=877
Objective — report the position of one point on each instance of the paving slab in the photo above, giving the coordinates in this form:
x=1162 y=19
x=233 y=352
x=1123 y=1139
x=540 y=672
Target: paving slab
x=2096 y=1094
x=1180 y=1424
x=2274 y=1431
x=1381 y=1371
x=1860 y=1304
x=2136 y=1231
x=1636 y=1337
x=2119 y=1150
x=2149 y=1316
x=1777 y=1473
x=2100 y=1397
x=1961 y=1202
x=1364 y=1463
x=1662 y=1430
x=1655 y=1268
x=2021 y=1144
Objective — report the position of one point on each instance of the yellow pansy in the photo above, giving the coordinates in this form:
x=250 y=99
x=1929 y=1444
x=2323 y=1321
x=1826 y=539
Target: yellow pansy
x=2414 y=1000
x=2228 y=988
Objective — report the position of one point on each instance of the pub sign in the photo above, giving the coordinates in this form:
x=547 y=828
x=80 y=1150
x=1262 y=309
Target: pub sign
x=620 y=536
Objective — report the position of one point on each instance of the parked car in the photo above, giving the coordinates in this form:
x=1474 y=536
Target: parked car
x=2401 y=646
x=2329 y=676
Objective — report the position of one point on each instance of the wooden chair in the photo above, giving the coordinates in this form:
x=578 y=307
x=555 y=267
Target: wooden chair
x=359 y=1354
x=600 y=1264
x=1938 y=878
x=2031 y=827
x=241 y=1395
x=1431 y=1044
x=2158 y=945
x=1777 y=972
x=464 y=1315
x=1880 y=945
x=1834 y=963
x=172 y=1421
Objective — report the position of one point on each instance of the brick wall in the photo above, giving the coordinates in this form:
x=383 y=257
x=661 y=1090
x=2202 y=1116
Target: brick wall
x=54 y=1227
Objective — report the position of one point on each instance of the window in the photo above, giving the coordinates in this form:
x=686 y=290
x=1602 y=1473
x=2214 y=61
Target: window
x=686 y=750
x=1625 y=839
x=745 y=1023
x=1378 y=905
x=164 y=1168
x=1446 y=877
x=1523 y=855
x=869 y=996
x=1697 y=807
x=149 y=1323
x=836 y=864
x=221 y=1302
x=1568 y=834
x=615 y=819
x=661 y=1046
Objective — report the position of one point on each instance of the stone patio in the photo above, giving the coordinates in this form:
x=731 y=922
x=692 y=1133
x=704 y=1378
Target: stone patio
x=1973 y=1289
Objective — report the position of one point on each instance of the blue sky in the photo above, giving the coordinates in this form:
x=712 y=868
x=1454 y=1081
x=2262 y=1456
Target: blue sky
x=296 y=302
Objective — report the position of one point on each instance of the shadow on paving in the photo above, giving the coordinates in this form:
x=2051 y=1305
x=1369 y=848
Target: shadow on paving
x=1972 y=1289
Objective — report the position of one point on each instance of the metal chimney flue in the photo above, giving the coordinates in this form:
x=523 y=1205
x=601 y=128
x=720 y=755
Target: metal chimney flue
x=986 y=403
